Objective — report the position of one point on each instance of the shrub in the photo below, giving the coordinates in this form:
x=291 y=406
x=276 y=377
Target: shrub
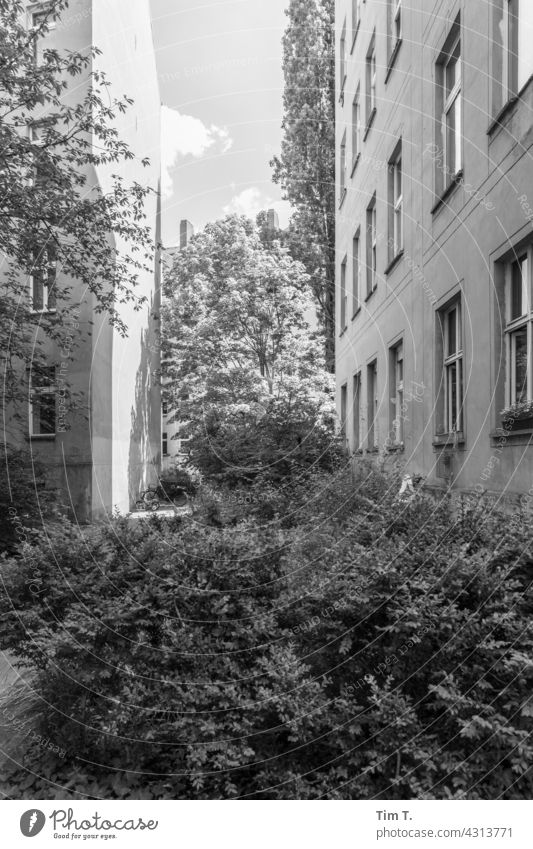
x=363 y=649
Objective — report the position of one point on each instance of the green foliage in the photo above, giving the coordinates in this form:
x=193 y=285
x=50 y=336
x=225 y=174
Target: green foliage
x=57 y=127
x=357 y=648
x=306 y=167
x=245 y=374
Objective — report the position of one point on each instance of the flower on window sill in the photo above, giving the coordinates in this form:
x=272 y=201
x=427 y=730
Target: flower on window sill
x=520 y=410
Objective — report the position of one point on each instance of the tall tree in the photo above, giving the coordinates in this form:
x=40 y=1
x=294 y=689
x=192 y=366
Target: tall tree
x=56 y=225
x=306 y=167
x=245 y=372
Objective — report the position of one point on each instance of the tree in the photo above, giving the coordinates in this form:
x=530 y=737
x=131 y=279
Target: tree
x=245 y=373
x=55 y=223
x=306 y=167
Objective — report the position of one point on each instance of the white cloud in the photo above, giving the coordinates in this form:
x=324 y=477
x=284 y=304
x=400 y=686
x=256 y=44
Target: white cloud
x=184 y=135
x=251 y=201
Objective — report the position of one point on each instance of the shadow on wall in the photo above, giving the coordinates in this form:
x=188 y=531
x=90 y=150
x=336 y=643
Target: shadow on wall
x=145 y=435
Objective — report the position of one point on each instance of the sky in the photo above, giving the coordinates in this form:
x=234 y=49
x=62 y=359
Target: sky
x=221 y=82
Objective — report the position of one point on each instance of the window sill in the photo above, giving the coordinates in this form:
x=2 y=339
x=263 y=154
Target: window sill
x=369 y=123
x=342 y=197
x=371 y=293
x=394 y=262
x=355 y=163
x=392 y=60
x=41 y=437
x=449 y=190
x=372 y=450
x=449 y=440
x=354 y=39
x=44 y=311
x=356 y=313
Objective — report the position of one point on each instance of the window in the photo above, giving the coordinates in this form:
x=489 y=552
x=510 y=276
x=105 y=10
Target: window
x=513 y=32
x=395 y=204
x=343 y=59
x=165 y=408
x=165 y=444
x=449 y=79
x=357 y=412
x=395 y=26
x=397 y=414
x=344 y=296
x=343 y=168
x=356 y=18
x=40 y=18
x=356 y=274
x=519 y=329
x=373 y=403
x=344 y=409
x=356 y=127
x=43 y=281
x=371 y=82
x=371 y=247
x=42 y=413
x=452 y=376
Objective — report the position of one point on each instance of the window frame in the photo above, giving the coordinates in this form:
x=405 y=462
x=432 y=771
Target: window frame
x=356 y=127
x=356 y=19
x=371 y=83
x=396 y=220
x=372 y=405
x=343 y=60
x=45 y=390
x=452 y=360
x=514 y=325
x=356 y=272
x=356 y=412
x=343 y=317
x=41 y=277
x=371 y=247
x=343 y=411
x=343 y=168
x=397 y=393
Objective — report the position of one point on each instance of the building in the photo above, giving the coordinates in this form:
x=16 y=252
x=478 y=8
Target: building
x=434 y=138
x=103 y=450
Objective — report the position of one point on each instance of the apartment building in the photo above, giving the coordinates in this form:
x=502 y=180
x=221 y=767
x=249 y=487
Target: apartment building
x=96 y=424
x=434 y=135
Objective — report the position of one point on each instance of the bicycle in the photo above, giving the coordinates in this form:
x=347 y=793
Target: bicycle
x=149 y=500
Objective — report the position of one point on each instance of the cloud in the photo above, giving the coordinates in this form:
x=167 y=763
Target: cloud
x=184 y=135
x=251 y=201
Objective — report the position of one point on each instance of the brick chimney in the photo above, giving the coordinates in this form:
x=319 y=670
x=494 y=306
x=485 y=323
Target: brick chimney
x=186 y=232
x=272 y=220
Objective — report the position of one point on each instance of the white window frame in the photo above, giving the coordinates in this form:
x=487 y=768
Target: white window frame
x=396 y=167
x=372 y=246
x=371 y=81
x=397 y=399
x=343 y=296
x=44 y=274
x=343 y=168
x=453 y=105
x=343 y=55
x=396 y=22
x=356 y=415
x=356 y=18
x=373 y=405
x=453 y=360
x=356 y=272
x=344 y=410
x=39 y=391
x=514 y=325
x=356 y=126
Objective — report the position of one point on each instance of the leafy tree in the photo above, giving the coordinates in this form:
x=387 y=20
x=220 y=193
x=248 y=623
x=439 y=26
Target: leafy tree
x=306 y=167
x=55 y=222
x=245 y=373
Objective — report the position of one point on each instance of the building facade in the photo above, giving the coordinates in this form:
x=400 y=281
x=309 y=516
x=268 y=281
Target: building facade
x=103 y=449
x=434 y=136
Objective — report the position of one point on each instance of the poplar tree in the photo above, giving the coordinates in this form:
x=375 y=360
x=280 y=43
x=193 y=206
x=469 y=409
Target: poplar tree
x=306 y=167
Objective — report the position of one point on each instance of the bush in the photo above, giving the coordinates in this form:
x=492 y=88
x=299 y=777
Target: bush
x=364 y=648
